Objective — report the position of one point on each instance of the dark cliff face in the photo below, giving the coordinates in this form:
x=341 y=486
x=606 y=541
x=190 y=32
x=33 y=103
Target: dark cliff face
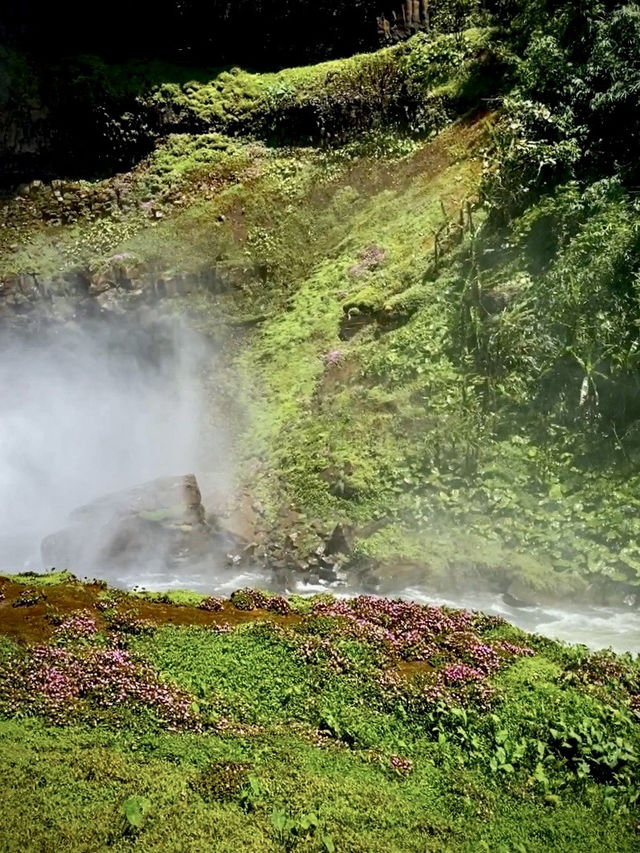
x=55 y=120
x=255 y=32
x=59 y=118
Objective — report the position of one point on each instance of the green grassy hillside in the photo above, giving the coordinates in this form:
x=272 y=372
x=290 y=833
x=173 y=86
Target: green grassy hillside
x=432 y=255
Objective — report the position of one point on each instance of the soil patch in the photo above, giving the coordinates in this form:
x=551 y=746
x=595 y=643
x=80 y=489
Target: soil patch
x=31 y=625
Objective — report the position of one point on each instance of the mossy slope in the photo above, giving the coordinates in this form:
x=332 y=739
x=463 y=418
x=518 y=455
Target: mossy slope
x=375 y=314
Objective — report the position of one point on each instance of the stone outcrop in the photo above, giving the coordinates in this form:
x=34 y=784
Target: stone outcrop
x=28 y=300
x=162 y=522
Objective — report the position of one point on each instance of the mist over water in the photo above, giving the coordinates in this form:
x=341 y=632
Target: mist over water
x=93 y=409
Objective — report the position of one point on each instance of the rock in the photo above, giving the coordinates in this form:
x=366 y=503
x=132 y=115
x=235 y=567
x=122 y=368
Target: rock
x=340 y=541
x=604 y=591
x=100 y=285
x=520 y=593
x=160 y=521
x=511 y=601
x=110 y=302
x=239 y=523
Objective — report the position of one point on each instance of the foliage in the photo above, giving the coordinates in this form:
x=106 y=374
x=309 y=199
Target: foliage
x=29 y=598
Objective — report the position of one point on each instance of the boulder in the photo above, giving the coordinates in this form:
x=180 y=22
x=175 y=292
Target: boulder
x=160 y=522
x=340 y=541
x=523 y=592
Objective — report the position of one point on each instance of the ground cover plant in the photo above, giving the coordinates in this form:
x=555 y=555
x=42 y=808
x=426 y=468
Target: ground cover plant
x=360 y=724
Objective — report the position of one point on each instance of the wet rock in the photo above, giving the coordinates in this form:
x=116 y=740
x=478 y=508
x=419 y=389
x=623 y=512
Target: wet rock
x=328 y=571
x=240 y=523
x=110 y=302
x=393 y=576
x=340 y=541
x=511 y=601
x=520 y=593
x=611 y=594
x=161 y=521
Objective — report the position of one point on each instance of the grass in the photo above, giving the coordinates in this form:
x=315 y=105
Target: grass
x=53 y=578
x=296 y=755
x=83 y=779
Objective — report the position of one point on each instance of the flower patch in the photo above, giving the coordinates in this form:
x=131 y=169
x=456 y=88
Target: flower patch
x=84 y=682
x=453 y=661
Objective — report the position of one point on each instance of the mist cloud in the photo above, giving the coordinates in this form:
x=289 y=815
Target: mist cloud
x=95 y=409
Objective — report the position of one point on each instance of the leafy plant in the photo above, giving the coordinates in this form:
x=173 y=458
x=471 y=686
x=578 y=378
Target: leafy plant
x=135 y=810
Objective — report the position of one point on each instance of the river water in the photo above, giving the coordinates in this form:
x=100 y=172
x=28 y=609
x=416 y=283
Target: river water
x=594 y=627
x=99 y=407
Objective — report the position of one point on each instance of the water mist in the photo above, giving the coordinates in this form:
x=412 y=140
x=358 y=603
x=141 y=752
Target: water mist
x=95 y=409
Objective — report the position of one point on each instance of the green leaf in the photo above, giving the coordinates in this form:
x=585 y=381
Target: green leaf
x=327 y=843
x=256 y=786
x=134 y=809
x=278 y=819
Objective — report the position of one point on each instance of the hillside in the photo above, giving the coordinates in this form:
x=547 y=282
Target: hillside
x=432 y=297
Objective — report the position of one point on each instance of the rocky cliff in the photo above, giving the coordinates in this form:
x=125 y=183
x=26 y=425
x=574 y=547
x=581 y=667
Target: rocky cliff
x=55 y=91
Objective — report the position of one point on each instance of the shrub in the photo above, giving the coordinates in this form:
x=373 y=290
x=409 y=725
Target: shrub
x=242 y=599
x=79 y=626
x=127 y=622
x=277 y=604
x=211 y=604
x=29 y=598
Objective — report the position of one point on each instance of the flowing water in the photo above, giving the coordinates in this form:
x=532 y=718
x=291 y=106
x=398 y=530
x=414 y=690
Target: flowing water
x=595 y=627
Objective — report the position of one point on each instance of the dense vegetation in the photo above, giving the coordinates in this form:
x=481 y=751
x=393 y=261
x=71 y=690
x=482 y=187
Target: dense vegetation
x=477 y=400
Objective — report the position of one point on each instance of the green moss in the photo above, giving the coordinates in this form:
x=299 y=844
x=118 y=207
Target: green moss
x=49 y=579
x=224 y=787
x=179 y=597
x=298 y=402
